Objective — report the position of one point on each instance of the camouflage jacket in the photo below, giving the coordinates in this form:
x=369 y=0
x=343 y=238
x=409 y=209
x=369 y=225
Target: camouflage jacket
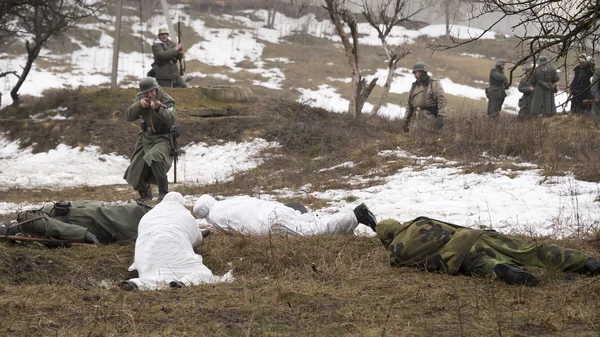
x=426 y=243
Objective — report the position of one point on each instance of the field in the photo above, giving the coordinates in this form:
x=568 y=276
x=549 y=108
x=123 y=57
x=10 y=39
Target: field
x=289 y=286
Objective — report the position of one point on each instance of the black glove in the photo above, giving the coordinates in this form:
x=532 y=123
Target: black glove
x=405 y=128
x=89 y=237
x=439 y=123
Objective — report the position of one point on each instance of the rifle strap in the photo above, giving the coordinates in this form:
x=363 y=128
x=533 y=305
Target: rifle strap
x=22 y=223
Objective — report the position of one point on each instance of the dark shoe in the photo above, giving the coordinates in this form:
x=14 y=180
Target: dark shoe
x=146 y=194
x=205 y=233
x=128 y=286
x=297 y=207
x=513 y=275
x=365 y=216
x=176 y=284
x=163 y=188
x=592 y=266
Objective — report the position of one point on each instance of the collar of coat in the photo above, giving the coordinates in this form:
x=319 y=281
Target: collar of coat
x=159 y=41
x=422 y=81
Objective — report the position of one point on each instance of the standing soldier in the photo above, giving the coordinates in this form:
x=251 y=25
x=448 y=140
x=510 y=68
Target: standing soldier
x=595 y=92
x=496 y=90
x=580 y=86
x=527 y=89
x=166 y=54
x=426 y=102
x=152 y=157
x=544 y=79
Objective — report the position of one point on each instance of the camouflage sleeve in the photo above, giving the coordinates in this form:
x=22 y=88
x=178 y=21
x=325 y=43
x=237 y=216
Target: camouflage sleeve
x=440 y=98
x=167 y=112
x=163 y=55
x=135 y=110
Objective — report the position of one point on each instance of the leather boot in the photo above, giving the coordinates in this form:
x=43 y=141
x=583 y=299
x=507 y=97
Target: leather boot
x=163 y=188
x=592 y=266
x=365 y=216
x=514 y=275
x=146 y=193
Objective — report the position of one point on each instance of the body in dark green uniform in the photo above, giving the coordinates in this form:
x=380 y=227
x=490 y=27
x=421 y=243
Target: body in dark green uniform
x=152 y=158
x=82 y=221
x=527 y=89
x=435 y=245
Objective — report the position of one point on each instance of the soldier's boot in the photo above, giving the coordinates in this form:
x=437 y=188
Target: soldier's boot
x=365 y=216
x=176 y=284
x=205 y=233
x=146 y=193
x=592 y=266
x=128 y=286
x=514 y=275
x=163 y=188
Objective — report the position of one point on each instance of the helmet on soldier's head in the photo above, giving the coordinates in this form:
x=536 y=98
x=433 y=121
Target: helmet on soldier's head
x=147 y=84
x=542 y=60
x=591 y=60
x=420 y=66
x=500 y=62
x=163 y=31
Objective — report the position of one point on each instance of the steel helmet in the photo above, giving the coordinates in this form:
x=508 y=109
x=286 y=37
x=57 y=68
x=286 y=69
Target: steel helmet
x=500 y=62
x=420 y=66
x=147 y=84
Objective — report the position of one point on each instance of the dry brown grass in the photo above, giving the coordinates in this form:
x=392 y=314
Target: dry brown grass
x=322 y=286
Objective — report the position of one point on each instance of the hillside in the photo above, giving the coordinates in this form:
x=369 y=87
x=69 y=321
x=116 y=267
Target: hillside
x=536 y=179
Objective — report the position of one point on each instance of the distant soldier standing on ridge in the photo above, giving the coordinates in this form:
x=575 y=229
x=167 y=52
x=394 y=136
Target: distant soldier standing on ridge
x=527 y=89
x=426 y=103
x=544 y=79
x=152 y=157
x=497 y=90
x=580 y=86
x=166 y=54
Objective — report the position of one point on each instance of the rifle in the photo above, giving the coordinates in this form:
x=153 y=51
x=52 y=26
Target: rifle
x=51 y=242
x=181 y=59
x=590 y=101
x=175 y=133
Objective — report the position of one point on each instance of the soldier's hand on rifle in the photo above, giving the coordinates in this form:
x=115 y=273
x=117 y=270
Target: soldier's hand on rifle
x=179 y=47
x=155 y=104
x=144 y=103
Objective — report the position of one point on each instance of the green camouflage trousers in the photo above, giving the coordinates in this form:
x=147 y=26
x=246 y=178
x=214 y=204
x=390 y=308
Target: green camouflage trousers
x=494 y=248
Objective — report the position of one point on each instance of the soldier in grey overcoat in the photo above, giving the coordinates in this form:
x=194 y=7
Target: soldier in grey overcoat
x=527 y=89
x=544 y=79
x=496 y=92
x=152 y=157
x=166 y=55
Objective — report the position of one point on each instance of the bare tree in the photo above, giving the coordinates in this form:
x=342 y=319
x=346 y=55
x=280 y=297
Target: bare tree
x=37 y=22
x=301 y=6
x=555 y=27
x=383 y=17
x=270 y=14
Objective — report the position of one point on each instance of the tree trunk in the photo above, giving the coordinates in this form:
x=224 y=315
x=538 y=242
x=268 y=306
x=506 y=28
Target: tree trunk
x=32 y=54
x=116 y=46
x=386 y=88
x=447 y=12
x=364 y=93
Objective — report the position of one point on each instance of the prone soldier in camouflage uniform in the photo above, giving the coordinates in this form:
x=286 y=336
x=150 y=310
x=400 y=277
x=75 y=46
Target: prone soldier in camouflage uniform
x=527 y=89
x=166 y=54
x=544 y=79
x=436 y=245
x=81 y=221
x=497 y=90
x=152 y=157
x=426 y=103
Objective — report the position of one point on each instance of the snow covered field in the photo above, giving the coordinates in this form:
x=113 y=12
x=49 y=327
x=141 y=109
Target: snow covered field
x=512 y=202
